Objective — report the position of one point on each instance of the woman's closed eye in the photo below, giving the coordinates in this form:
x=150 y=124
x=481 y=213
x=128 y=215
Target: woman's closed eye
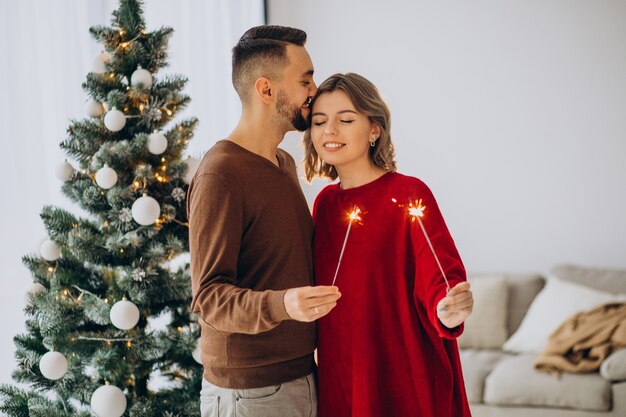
x=319 y=122
x=346 y=121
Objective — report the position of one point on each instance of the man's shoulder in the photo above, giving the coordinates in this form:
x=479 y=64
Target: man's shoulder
x=221 y=160
x=286 y=156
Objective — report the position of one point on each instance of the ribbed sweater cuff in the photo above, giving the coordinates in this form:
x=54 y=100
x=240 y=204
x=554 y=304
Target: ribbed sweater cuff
x=276 y=306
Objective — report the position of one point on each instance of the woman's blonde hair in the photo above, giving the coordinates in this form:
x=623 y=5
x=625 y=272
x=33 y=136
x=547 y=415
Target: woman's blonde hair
x=366 y=99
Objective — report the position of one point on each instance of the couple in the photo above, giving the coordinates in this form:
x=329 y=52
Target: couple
x=261 y=277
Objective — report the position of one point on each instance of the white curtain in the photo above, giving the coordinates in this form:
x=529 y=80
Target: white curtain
x=45 y=52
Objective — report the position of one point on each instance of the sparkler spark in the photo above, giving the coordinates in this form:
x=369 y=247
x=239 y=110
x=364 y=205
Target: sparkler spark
x=416 y=211
x=354 y=215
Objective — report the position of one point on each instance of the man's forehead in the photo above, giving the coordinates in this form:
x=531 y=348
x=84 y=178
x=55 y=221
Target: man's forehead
x=299 y=60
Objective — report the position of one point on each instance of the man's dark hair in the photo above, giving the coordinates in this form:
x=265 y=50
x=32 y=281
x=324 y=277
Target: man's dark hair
x=262 y=52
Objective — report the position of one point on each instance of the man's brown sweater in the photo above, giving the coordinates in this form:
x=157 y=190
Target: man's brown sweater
x=250 y=234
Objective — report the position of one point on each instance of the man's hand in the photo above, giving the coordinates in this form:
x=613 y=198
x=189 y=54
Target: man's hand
x=454 y=308
x=310 y=303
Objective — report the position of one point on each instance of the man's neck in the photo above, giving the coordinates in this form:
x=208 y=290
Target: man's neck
x=259 y=137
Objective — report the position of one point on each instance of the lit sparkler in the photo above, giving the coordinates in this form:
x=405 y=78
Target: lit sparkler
x=416 y=210
x=354 y=215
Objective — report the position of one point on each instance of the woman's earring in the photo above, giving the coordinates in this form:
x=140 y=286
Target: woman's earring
x=373 y=143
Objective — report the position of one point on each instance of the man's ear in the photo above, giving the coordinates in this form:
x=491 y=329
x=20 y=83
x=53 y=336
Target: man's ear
x=263 y=90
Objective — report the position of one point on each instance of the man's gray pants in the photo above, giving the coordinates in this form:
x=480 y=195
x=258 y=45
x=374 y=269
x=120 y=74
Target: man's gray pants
x=297 y=398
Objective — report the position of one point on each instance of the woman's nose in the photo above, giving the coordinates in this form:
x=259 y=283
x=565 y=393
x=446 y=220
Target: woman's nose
x=330 y=130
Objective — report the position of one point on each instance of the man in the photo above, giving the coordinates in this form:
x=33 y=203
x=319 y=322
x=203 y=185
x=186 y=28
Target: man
x=250 y=234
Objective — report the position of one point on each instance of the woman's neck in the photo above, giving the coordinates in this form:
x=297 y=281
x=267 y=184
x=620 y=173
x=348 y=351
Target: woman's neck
x=356 y=177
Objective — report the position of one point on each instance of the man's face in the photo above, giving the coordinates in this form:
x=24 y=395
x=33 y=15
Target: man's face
x=296 y=89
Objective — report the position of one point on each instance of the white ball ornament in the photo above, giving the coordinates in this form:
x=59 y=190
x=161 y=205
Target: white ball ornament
x=106 y=177
x=157 y=143
x=141 y=77
x=64 y=171
x=53 y=365
x=94 y=108
x=49 y=250
x=99 y=62
x=145 y=210
x=192 y=167
x=124 y=314
x=108 y=401
x=114 y=120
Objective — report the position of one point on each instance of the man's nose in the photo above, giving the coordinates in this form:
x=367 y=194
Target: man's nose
x=313 y=89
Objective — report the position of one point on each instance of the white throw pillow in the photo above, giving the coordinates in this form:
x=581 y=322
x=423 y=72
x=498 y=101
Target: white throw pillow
x=558 y=301
x=485 y=328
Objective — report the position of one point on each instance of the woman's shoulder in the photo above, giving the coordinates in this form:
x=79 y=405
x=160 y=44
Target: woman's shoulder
x=328 y=190
x=409 y=182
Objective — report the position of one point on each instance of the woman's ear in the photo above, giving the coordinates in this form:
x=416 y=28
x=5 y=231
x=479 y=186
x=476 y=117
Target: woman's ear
x=263 y=89
x=376 y=131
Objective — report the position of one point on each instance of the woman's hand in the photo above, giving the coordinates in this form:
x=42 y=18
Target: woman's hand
x=455 y=307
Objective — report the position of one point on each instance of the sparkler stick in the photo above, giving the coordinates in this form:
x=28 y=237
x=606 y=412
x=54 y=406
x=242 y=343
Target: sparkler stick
x=354 y=215
x=417 y=212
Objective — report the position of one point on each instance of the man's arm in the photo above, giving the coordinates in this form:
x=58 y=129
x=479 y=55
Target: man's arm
x=215 y=229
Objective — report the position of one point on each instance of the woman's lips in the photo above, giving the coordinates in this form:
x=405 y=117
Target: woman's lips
x=333 y=146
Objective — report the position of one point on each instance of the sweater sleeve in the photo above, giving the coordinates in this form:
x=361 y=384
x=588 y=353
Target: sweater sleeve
x=430 y=286
x=215 y=212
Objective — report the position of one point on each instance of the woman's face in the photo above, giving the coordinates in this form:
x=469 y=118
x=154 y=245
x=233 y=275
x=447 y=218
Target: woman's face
x=341 y=135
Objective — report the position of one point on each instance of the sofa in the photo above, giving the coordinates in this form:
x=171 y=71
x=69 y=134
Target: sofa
x=512 y=319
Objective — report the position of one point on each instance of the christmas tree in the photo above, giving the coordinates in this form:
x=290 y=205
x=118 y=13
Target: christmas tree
x=108 y=309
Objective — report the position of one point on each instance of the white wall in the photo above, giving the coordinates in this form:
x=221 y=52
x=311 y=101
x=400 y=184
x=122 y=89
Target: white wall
x=513 y=112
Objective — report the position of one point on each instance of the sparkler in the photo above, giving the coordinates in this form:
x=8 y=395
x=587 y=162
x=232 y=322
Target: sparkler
x=416 y=210
x=354 y=215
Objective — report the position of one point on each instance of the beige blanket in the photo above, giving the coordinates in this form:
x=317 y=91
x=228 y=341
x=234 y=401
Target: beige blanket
x=582 y=342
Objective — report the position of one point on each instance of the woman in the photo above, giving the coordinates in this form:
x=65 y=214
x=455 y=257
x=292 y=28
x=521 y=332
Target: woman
x=389 y=347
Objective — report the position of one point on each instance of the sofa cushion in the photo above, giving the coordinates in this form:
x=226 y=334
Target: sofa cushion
x=609 y=280
x=514 y=382
x=522 y=290
x=486 y=326
x=558 y=301
x=614 y=367
x=477 y=364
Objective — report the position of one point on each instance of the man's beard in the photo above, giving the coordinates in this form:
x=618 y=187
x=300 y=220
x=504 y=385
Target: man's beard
x=291 y=113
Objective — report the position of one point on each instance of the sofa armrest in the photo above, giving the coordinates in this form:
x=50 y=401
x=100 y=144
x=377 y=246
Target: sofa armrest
x=614 y=367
